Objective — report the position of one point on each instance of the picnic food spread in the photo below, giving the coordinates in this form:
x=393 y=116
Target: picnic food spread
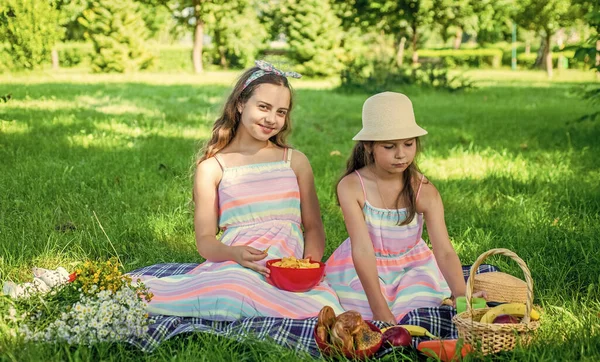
x=511 y=309
x=347 y=332
x=292 y=262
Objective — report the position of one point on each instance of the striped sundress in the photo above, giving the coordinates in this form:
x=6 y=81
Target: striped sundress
x=409 y=276
x=259 y=206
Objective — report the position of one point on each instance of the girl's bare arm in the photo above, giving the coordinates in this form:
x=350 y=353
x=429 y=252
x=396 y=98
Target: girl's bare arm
x=431 y=205
x=363 y=255
x=314 y=233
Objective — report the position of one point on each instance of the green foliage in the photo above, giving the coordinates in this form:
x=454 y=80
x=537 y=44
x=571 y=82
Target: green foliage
x=30 y=29
x=177 y=58
x=314 y=35
x=158 y=20
x=456 y=14
x=590 y=52
x=5 y=98
x=74 y=53
x=69 y=12
x=547 y=15
x=528 y=60
x=6 y=60
x=372 y=66
x=465 y=57
x=495 y=19
x=376 y=70
x=373 y=75
x=118 y=34
x=237 y=34
x=436 y=75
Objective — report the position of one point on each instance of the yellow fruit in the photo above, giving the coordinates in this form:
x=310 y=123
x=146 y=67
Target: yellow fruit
x=514 y=309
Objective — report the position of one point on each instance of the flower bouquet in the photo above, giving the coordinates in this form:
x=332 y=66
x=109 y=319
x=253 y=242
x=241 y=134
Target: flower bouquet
x=96 y=303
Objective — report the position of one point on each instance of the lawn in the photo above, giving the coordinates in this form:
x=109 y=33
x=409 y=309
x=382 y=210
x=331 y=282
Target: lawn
x=84 y=153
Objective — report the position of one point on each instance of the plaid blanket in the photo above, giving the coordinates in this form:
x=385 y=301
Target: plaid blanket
x=292 y=333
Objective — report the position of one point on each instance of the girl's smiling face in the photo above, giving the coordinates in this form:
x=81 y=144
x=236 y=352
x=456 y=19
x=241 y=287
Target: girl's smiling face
x=394 y=156
x=265 y=112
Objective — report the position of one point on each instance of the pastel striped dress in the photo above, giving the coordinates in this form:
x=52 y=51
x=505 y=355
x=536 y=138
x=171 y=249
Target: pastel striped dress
x=409 y=276
x=259 y=206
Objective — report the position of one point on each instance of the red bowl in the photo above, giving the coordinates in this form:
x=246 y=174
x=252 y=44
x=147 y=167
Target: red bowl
x=328 y=350
x=295 y=280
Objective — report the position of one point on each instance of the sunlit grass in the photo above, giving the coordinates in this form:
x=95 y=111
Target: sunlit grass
x=513 y=167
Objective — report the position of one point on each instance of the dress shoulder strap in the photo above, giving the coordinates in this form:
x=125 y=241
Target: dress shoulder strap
x=287 y=155
x=220 y=161
x=420 y=185
x=362 y=184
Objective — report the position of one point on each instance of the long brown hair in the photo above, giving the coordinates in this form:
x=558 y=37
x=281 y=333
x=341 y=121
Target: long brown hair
x=361 y=157
x=226 y=125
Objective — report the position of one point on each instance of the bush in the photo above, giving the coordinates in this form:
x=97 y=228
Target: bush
x=30 y=29
x=476 y=58
x=118 y=34
x=175 y=58
x=435 y=75
x=314 y=36
x=374 y=75
x=528 y=60
x=6 y=62
x=73 y=54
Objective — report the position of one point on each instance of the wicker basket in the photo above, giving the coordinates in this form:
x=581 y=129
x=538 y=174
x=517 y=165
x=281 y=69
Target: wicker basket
x=490 y=337
x=501 y=287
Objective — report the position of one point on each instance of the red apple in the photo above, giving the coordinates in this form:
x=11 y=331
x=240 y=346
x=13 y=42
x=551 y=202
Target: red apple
x=397 y=336
x=506 y=318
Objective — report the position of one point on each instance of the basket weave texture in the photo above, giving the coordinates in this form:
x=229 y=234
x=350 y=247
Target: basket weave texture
x=495 y=337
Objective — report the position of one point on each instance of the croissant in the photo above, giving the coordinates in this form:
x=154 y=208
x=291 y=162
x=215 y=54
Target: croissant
x=346 y=325
x=325 y=322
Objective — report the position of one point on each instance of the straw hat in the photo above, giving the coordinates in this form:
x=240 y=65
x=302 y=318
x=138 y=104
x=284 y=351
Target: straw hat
x=388 y=116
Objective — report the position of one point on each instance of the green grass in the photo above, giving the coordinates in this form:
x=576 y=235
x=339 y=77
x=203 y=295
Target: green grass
x=512 y=166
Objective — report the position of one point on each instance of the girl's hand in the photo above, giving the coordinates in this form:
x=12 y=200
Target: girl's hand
x=247 y=257
x=385 y=316
x=309 y=256
x=480 y=294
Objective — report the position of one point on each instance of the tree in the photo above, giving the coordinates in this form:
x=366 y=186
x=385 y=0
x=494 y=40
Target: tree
x=236 y=31
x=70 y=11
x=403 y=19
x=30 y=29
x=118 y=34
x=456 y=15
x=314 y=35
x=233 y=25
x=546 y=17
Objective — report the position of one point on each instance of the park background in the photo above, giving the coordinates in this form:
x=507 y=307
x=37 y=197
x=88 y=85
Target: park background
x=104 y=104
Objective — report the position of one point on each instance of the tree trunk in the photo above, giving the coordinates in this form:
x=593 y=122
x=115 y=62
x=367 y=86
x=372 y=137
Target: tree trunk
x=223 y=58
x=548 y=55
x=55 y=63
x=458 y=38
x=197 y=50
x=415 y=37
x=597 y=59
x=539 y=60
x=198 y=38
x=400 y=53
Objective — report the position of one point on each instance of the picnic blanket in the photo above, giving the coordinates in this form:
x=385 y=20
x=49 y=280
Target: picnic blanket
x=296 y=334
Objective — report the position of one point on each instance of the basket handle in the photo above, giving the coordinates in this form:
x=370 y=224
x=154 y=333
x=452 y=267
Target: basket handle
x=515 y=257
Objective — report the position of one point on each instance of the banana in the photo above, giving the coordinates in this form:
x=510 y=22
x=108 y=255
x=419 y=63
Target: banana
x=514 y=309
x=414 y=331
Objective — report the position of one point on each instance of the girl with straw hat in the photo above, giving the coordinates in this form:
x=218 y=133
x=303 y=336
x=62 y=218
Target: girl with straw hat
x=385 y=269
